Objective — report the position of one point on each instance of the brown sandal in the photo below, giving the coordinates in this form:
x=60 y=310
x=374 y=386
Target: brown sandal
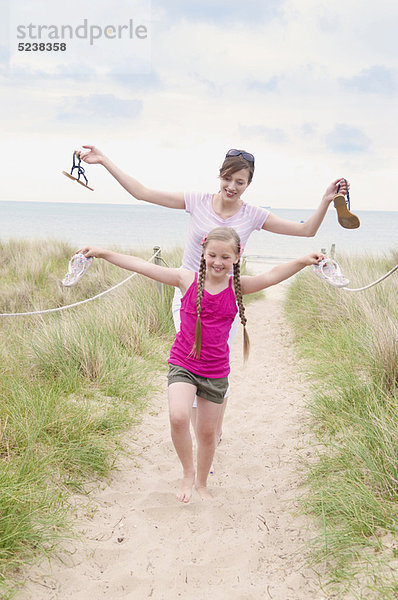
x=342 y=204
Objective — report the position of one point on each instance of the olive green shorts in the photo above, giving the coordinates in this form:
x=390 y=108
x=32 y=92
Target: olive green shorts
x=206 y=387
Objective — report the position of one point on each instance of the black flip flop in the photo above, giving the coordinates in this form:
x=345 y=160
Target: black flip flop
x=80 y=173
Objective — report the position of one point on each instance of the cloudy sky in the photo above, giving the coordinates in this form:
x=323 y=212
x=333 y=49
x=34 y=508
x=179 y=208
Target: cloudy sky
x=309 y=87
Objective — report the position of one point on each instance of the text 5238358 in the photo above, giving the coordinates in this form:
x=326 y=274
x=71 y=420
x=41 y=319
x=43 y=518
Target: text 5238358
x=42 y=47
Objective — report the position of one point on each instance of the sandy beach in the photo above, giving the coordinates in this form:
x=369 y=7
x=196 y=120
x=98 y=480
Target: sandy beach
x=248 y=543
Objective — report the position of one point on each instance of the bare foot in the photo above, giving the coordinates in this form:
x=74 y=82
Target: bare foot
x=203 y=492
x=185 y=493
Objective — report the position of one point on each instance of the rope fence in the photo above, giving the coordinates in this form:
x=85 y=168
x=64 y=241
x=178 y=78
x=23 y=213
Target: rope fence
x=332 y=253
x=155 y=256
x=366 y=287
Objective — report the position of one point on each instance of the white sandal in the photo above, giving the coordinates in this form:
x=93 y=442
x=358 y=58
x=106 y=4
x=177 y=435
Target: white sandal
x=329 y=271
x=78 y=265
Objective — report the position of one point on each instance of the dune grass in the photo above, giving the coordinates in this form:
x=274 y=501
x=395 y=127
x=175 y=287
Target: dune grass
x=70 y=383
x=349 y=342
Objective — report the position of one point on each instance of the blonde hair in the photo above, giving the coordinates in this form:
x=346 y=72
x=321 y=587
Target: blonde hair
x=221 y=234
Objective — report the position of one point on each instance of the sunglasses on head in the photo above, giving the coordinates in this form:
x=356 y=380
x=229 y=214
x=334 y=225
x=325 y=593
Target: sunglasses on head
x=246 y=155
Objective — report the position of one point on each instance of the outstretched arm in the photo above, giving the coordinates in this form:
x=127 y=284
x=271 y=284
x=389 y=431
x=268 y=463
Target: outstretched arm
x=310 y=226
x=94 y=156
x=169 y=276
x=255 y=283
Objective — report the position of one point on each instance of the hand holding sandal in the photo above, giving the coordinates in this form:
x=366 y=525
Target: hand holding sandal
x=78 y=265
x=342 y=204
x=329 y=270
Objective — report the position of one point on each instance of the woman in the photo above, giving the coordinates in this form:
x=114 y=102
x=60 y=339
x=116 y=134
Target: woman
x=224 y=208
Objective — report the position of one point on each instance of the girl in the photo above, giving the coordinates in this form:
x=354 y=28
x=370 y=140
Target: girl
x=225 y=208
x=199 y=357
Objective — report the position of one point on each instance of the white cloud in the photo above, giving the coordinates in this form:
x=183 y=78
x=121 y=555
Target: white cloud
x=25 y=75
x=4 y=54
x=98 y=107
x=347 y=140
x=137 y=81
x=273 y=135
x=309 y=89
x=264 y=86
x=375 y=80
x=220 y=11
x=328 y=19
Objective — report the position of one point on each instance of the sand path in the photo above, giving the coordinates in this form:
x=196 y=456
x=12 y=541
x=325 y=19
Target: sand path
x=245 y=545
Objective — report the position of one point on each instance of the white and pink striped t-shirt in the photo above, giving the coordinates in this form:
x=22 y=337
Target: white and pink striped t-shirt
x=203 y=219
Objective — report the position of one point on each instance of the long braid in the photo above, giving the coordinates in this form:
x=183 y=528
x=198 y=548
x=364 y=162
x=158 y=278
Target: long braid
x=224 y=234
x=243 y=320
x=198 y=327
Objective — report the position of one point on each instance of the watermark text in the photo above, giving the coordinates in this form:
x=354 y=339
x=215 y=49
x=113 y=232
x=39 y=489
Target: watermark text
x=85 y=31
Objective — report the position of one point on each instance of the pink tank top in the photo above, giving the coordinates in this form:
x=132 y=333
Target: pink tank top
x=217 y=316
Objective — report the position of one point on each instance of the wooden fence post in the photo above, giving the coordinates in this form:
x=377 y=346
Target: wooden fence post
x=158 y=261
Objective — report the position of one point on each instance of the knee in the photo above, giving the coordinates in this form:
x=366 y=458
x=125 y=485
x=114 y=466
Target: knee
x=207 y=434
x=179 y=420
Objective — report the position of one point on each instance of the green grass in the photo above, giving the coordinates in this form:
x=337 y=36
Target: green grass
x=350 y=345
x=70 y=384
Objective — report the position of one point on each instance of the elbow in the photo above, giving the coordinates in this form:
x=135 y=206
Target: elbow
x=308 y=231
x=304 y=229
x=142 y=194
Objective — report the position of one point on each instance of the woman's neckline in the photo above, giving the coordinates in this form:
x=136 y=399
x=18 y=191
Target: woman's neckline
x=240 y=206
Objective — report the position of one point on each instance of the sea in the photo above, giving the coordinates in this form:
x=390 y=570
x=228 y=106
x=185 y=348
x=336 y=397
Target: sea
x=139 y=227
